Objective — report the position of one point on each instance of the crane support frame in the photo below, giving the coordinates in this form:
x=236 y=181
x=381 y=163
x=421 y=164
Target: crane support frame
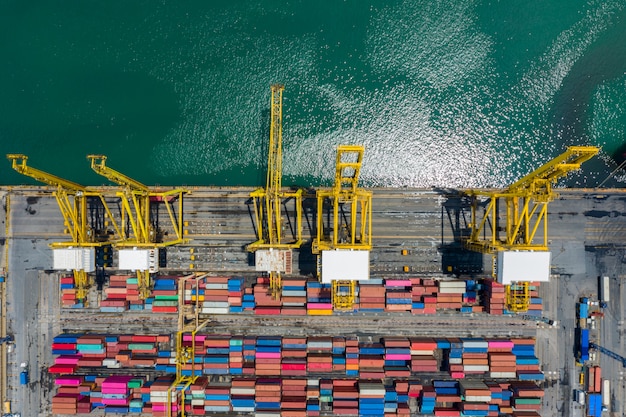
x=345 y=193
x=73 y=201
x=525 y=207
x=347 y=231
x=525 y=215
x=136 y=199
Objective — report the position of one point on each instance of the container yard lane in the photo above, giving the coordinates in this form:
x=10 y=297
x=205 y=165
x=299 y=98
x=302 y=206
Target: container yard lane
x=414 y=230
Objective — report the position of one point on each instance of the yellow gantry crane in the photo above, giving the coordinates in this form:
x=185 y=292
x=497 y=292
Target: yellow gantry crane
x=523 y=206
x=144 y=236
x=272 y=248
x=347 y=237
x=73 y=200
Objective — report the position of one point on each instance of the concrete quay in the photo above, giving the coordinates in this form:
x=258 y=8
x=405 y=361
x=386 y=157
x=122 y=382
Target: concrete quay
x=587 y=239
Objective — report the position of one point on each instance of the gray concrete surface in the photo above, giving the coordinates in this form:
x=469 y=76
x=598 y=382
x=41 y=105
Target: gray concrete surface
x=587 y=239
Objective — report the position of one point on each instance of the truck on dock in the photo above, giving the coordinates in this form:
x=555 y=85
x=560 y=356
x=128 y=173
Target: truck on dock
x=583 y=347
x=24 y=373
x=604 y=291
x=606 y=394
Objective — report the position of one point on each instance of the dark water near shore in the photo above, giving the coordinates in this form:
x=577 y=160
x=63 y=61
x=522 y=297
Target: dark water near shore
x=446 y=93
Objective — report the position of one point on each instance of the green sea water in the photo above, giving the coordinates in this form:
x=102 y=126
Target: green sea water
x=443 y=93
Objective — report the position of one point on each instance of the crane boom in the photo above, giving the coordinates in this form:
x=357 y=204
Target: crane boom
x=609 y=353
x=18 y=162
x=145 y=233
x=98 y=164
x=270 y=204
x=526 y=204
x=73 y=200
x=525 y=215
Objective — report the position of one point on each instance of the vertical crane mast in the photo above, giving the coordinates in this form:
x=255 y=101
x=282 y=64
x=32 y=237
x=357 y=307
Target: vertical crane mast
x=145 y=237
x=73 y=201
x=349 y=236
x=272 y=248
x=275 y=167
x=525 y=216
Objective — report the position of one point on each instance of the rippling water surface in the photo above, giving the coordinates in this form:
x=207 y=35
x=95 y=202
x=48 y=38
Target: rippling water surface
x=444 y=93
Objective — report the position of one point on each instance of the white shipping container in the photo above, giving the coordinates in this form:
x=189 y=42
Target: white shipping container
x=606 y=393
x=214 y=310
x=242 y=391
x=476 y=368
x=503 y=375
x=210 y=286
x=452 y=284
x=243 y=409
x=451 y=290
x=478 y=398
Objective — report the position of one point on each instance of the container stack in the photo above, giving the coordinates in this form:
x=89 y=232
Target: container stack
x=294 y=297
x=475 y=391
x=417 y=292
x=371 y=398
x=165 y=296
x=495 y=297
x=475 y=356
x=352 y=356
x=159 y=396
x=535 y=308
x=447 y=393
x=294 y=356
x=265 y=303
x=116 y=393
x=526 y=396
x=293 y=398
x=118 y=294
x=236 y=288
x=268 y=356
x=216 y=295
x=423 y=355
x=371 y=296
x=594 y=379
x=248 y=303
x=215 y=396
x=428 y=399
x=216 y=352
x=450 y=294
x=398 y=295
x=501 y=359
x=318 y=297
x=339 y=354
x=527 y=364
x=242 y=394
x=69 y=398
x=402 y=390
x=249 y=355
x=267 y=396
x=345 y=396
x=397 y=357
x=313 y=408
x=319 y=354
x=68 y=293
x=235 y=355
x=371 y=361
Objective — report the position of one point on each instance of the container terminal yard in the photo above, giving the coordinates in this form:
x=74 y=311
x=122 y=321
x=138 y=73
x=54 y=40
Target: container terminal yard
x=342 y=301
